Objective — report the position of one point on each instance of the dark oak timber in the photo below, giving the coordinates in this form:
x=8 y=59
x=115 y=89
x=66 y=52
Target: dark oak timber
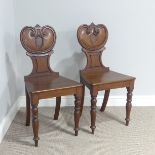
x=95 y=75
x=43 y=82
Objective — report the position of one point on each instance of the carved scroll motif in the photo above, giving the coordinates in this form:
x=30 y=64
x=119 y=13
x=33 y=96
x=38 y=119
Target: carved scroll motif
x=39 y=42
x=92 y=37
x=38 y=39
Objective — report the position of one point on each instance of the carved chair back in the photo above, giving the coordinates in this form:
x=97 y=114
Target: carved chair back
x=39 y=42
x=92 y=38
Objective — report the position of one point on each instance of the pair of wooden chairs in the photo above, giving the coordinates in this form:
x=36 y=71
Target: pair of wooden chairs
x=44 y=83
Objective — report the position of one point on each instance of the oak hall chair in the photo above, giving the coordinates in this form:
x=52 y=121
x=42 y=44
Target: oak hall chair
x=43 y=82
x=95 y=75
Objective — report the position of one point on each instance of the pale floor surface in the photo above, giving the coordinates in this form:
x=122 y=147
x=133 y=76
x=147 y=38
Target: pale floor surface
x=111 y=137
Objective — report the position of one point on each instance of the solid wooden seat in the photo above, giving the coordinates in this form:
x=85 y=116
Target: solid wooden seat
x=95 y=75
x=50 y=83
x=105 y=78
x=43 y=82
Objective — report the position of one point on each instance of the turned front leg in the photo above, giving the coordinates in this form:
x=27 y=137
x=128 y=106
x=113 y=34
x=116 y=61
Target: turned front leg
x=77 y=113
x=27 y=108
x=93 y=111
x=128 y=104
x=35 y=123
x=57 y=108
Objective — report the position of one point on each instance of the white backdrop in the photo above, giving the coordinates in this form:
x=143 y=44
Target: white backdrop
x=130 y=47
x=8 y=58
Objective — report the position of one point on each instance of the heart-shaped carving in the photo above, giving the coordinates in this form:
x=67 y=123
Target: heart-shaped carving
x=38 y=39
x=92 y=37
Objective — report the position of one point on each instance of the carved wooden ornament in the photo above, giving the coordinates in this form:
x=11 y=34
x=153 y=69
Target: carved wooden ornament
x=39 y=42
x=92 y=37
x=38 y=39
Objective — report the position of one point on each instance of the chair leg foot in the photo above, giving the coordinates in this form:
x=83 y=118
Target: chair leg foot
x=76 y=132
x=93 y=111
x=55 y=117
x=93 y=130
x=102 y=109
x=127 y=122
x=27 y=124
x=36 y=143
